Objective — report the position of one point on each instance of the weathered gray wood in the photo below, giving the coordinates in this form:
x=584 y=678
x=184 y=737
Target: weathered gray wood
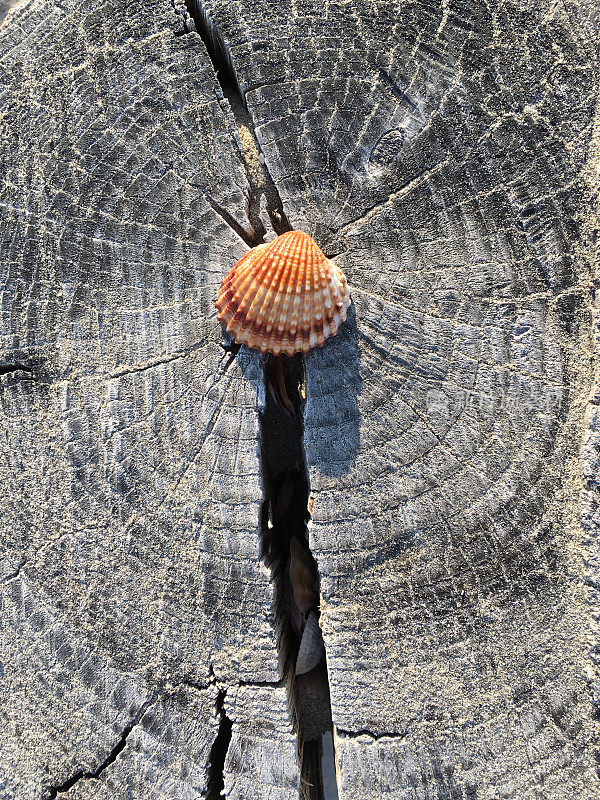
x=439 y=150
x=446 y=154
x=130 y=465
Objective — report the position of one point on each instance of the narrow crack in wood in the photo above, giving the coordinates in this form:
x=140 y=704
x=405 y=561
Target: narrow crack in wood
x=283 y=461
x=260 y=182
x=8 y=369
x=218 y=751
x=287 y=552
x=156 y=362
x=274 y=684
x=340 y=732
x=51 y=792
x=192 y=684
x=15 y=572
x=246 y=236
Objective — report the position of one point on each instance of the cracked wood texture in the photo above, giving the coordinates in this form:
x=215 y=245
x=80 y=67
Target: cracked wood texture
x=445 y=153
x=130 y=469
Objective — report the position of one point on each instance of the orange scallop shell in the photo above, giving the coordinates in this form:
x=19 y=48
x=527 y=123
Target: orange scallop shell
x=285 y=296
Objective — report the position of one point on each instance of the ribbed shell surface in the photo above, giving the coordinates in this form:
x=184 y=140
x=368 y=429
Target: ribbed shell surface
x=284 y=297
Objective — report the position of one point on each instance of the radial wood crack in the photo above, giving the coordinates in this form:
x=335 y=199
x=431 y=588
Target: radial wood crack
x=286 y=551
x=246 y=236
x=15 y=572
x=51 y=792
x=7 y=369
x=285 y=475
x=260 y=182
x=218 y=752
x=340 y=732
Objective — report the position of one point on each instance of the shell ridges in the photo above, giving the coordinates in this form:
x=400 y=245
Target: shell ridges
x=312 y=648
x=285 y=296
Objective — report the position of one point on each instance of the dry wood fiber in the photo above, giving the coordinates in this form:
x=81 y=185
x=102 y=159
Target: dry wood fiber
x=444 y=154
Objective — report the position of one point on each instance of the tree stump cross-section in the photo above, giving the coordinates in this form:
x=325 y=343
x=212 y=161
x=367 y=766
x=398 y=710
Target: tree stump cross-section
x=445 y=442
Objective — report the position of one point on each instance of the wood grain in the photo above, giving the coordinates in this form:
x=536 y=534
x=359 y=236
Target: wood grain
x=445 y=154
x=438 y=152
x=130 y=462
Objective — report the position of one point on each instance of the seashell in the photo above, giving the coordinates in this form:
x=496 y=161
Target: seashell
x=285 y=296
x=312 y=648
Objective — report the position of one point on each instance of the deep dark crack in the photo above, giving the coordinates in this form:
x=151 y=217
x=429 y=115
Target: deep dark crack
x=286 y=551
x=218 y=752
x=7 y=369
x=217 y=48
x=260 y=182
x=285 y=476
